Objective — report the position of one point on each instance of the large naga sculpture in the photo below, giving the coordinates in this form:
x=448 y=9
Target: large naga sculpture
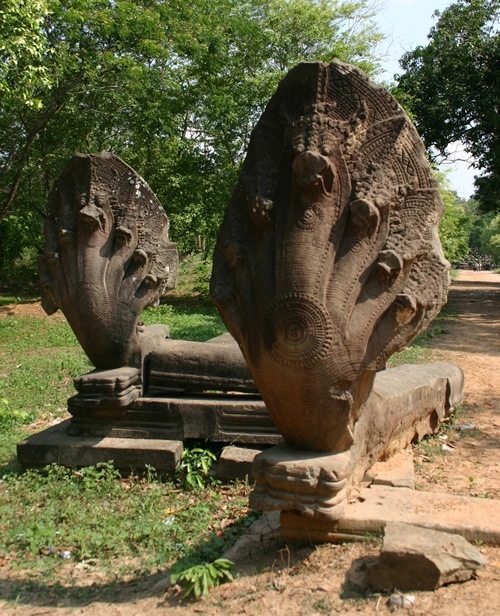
x=108 y=256
x=328 y=259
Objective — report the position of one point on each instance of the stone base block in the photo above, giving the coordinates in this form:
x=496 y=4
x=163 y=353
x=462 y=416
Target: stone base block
x=215 y=418
x=235 y=463
x=310 y=482
x=128 y=455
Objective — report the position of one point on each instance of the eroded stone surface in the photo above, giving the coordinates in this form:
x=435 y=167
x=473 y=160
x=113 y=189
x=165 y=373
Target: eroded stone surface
x=236 y=463
x=406 y=403
x=108 y=390
x=312 y=483
x=370 y=509
x=54 y=445
x=416 y=558
x=179 y=365
x=398 y=471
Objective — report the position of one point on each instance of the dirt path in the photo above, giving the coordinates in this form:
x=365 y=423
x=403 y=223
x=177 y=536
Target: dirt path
x=312 y=581
x=472 y=342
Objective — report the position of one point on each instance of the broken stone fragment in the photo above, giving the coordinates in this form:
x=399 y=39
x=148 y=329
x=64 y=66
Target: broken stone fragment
x=416 y=558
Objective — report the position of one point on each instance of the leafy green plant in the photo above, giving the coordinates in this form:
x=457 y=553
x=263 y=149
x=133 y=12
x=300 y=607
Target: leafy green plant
x=195 y=466
x=11 y=417
x=197 y=580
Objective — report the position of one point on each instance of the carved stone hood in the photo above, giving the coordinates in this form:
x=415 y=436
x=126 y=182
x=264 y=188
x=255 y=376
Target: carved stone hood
x=328 y=259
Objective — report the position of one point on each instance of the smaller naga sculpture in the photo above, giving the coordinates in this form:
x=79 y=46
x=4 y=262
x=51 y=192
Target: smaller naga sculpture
x=327 y=262
x=107 y=256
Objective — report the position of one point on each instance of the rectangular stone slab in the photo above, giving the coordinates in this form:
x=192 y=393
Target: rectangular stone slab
x=476 y=519
x=222 y=419
x=55 y=445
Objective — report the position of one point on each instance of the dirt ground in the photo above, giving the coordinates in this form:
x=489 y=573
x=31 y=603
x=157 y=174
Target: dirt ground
x=315 y=580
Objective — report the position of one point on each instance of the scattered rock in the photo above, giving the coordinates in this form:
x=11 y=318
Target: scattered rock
x=415 y=558
x=399 y=601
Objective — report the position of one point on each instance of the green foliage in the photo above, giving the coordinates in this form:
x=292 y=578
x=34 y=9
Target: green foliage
x=21 y=240
x=11 y=417
x=451 y=86
x=455 y=227
x=174 y=88
x=197 y=580
x=22 y=68
x=195 y=466
x=490 y=237
x=195 y=271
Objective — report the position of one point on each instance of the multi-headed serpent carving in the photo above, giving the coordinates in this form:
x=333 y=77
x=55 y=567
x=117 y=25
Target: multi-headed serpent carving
x=328 y=259
x=107 y=255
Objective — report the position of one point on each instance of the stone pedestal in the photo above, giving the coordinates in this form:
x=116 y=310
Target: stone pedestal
x=55 y=445
x=312 y=489
x=308 y=482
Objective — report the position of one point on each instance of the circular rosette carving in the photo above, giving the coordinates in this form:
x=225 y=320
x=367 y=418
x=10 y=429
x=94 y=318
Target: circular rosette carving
x=297 y=330
x=311 y=219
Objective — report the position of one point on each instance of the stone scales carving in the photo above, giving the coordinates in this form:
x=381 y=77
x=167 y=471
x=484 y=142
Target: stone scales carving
x=328 y=260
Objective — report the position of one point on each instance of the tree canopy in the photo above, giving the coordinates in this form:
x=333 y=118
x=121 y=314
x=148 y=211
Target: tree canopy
x=172 y=87
x=456 y=224
x=452 y=87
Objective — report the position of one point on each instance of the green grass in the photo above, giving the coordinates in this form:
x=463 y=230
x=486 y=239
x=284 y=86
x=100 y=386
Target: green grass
x=126 y=528
x=189 y=319
x=38 y=360
x=420 y=349
x=7 y=299
x=124 y=525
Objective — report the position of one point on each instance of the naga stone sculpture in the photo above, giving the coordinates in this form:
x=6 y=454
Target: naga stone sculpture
x=107 y=256
x=327 y=262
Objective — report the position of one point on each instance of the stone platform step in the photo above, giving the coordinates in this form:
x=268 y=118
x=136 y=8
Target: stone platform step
x=55 y=445
x=476 y=519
